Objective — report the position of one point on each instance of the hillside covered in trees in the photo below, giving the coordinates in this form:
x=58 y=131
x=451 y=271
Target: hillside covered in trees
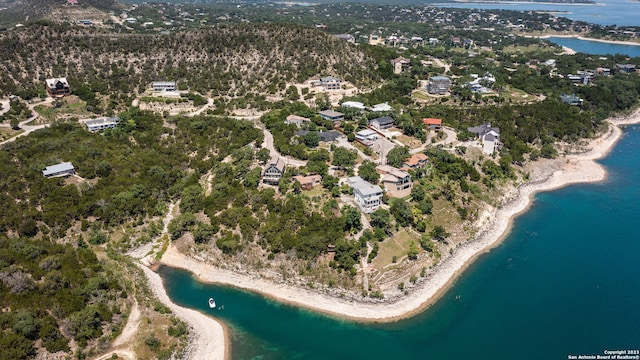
x=229 y=60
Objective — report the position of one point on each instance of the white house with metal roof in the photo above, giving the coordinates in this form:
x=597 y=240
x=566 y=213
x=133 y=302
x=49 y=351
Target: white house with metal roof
x=58 y=170
x=366 y=195
x=160 y=86
x=102 y=123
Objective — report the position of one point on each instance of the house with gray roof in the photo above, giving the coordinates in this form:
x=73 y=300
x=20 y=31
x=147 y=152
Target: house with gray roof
x=57 y=87
x=488 y=136
x=331 y=115
x=59 y=170
x=330 y=83
x=439 y=85
x=381 y=123
x=273 y=171
x=324 y=136
x=366 y=195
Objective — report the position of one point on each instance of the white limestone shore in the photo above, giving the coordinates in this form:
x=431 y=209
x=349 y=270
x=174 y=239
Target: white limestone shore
x=210 y=339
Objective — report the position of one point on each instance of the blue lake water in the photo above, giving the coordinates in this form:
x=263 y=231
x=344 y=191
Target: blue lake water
x=605 y=12
x=596 y=47
x=566 y=281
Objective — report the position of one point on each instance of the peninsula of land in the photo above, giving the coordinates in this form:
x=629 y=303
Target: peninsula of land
x=545 y=175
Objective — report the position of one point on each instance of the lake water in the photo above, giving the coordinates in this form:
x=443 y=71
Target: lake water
x=566 y=281
x=596 y=47
x=605 y=12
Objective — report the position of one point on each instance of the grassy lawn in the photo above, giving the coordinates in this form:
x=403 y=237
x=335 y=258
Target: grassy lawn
x=521 y=49
x=73 y=109
x=517 y=95
x=397 y=245
x=7 y=133
x=409 y=141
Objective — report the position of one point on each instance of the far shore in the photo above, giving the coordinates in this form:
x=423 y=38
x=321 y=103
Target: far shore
x=546 y=175
x=617 y=42
x=514 y=2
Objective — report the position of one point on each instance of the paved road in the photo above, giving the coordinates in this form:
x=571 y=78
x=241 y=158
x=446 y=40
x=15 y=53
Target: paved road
x=450 y=140
x=28 y=129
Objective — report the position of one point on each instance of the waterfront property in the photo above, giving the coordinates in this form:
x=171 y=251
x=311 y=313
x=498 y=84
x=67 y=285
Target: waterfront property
x=382 y=123
x=396 y=182
x=273 y=171
x=59 y=170
x=331 y=115
x=488 y=136
x=366 y=195
x=625 y=68
x=439 y=85
x=309 y=181
x=57 y=87
x=102 y=123
x=162 y=86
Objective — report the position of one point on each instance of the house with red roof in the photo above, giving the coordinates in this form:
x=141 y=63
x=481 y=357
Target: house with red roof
x=432 y=124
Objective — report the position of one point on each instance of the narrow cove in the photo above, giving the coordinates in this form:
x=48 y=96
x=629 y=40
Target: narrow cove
x=564 y=282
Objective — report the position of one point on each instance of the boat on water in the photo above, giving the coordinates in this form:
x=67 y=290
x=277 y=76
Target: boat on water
x=212 y=303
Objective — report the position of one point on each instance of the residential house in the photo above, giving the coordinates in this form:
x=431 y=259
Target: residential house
x=433 y=124
x=324 y=136
x=346 y=37
x=439 y=85
x=433 y=41
x=353 y=104
x=416 y=161
x=603 y=71
x=59 y=170
x=625 y=68
x=296 y=120
x=366 y=195
x=571 y=99
x=162 y=86
x=400 y=64
x=366 y=136
x=375 y=40
x=417 y=41
x=383 y=107
x=57 y=87
x=381 y=123
x=309 y=181
x=396 y=182
x=330 y=83
x=488 y=136
x=102 y=123
x=331 y=115
x=582 y=78
x=273 y=171
x=85 y=22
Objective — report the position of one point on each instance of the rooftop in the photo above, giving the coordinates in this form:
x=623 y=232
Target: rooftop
x=363 y=187
x=54 y=169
